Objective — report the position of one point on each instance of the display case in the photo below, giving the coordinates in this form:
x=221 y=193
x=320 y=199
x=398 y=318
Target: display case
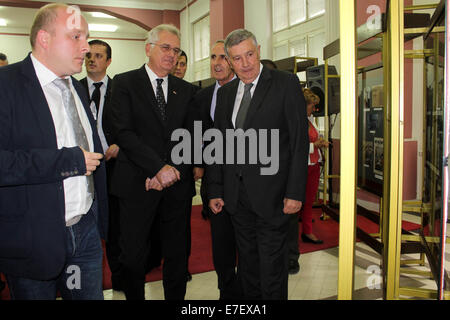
x=370 y=129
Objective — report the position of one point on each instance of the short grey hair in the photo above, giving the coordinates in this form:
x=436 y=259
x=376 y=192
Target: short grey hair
x=237 y=36
x=153 y=35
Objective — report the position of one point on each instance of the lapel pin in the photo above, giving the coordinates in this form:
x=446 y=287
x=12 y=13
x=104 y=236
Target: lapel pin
x=174 y=92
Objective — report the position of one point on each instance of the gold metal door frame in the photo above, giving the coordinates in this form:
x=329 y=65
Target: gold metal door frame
x=347 y=197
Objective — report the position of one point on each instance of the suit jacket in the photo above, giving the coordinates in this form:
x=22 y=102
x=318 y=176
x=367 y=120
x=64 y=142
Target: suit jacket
x=106 y=119
x=277 y=103
x=144 y=138
x=32 y=170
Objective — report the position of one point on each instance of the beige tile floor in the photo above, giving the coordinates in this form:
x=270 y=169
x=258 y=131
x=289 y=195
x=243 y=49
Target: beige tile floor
x=317 y=279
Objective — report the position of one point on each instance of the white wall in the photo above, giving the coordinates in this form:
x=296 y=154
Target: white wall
x=126 y=54
x=258 y=20
x=192 y=14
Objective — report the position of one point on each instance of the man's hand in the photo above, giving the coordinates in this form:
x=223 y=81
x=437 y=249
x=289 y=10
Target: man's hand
x=291 y=206
x=167 y=176
x=92 y=160
x=198 y=173
x=112 y=152
x=216 y=205
x=153 y=183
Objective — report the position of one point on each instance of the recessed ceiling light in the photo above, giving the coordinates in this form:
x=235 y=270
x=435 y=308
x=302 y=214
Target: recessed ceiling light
x=102 y=15
x=3 y=23
x=102 y=27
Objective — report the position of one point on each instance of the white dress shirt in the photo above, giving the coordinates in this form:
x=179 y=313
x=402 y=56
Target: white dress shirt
x=152 y=76
x=103 y=88
x=78 y=200
x=240 y=95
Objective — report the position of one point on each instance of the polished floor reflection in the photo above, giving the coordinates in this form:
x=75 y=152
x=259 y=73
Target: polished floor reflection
x=317 y=279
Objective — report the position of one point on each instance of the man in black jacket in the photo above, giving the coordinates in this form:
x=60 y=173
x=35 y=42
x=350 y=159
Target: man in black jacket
x=148 y=104
x=222 y=233
x=259 y=198
x=98 y=87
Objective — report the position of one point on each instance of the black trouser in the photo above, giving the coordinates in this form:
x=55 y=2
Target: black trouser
x=263 y=252
x=225 y=256
x=136 y=220
x=294 y=252
x=112 y=246
x=224 y=250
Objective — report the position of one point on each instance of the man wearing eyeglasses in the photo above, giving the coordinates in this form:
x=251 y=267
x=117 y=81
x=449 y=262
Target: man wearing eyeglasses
x=148 y=104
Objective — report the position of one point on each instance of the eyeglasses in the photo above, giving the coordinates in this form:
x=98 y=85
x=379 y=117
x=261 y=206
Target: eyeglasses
x=166 y=48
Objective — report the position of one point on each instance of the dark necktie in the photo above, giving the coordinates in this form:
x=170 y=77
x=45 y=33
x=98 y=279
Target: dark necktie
x=243 y=109
x=72 y=112
x=96 y=97
x=160 y=99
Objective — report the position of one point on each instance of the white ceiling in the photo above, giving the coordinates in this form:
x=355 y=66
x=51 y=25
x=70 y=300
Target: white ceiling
x=136 y=4
x=19 y=21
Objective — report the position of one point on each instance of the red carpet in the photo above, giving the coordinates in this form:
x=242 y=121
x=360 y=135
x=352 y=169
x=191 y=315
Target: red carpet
x=201 y=254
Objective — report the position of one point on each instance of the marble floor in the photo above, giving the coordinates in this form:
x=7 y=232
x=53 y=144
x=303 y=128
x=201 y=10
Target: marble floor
x=317 y=279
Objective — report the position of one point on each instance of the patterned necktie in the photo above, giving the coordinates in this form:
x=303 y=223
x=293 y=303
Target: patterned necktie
x=160 y=99
x=78 y=130
x=243 y=109
x=96 y=97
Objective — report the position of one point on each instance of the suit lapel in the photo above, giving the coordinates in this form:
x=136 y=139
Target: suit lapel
x=38 y=103
x=231 y=98
x=261 y=89
x=172 y=97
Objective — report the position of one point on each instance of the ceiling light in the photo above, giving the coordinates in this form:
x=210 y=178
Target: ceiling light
x=3 y=23
x=102 y=27
x=102 y=15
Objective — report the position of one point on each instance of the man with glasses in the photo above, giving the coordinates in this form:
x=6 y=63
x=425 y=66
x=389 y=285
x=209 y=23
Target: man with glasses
x=147 y=105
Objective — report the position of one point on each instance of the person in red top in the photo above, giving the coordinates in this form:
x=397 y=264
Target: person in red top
x=315 y=142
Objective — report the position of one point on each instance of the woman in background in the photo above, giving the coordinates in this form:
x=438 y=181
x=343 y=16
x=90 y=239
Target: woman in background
x=315 y=143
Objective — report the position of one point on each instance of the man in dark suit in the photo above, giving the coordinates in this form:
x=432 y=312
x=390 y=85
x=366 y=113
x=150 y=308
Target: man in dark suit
x=53 y=198
x=260 y=199
x=98 y=87
x=148 y=104
x=222 y=233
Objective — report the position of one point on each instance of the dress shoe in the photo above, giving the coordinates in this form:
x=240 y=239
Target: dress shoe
x=305 y=238
x=294 y=267
x=188 y=276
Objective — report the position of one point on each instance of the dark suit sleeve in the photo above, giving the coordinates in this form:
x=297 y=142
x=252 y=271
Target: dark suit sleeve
x=297 y=124
x=215 y=171
x=24 y=166
x=135 y=149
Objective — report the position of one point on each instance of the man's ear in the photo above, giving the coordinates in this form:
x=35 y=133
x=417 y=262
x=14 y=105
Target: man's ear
x=43 y=39
x=108 y=62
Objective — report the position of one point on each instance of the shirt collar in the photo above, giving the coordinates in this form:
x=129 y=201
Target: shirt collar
x=218 y=85
x=255 y=82
x=91 y=82
x=153 y=75
x=44 y=74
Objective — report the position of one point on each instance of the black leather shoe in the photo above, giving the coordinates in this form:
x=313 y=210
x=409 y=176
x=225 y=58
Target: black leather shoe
x=294 y=267
x=305 y=238
x=188 y=276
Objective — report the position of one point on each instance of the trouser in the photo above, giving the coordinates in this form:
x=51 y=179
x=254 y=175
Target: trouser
x=136 y=220
x=81 y=278
x=263 y=252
